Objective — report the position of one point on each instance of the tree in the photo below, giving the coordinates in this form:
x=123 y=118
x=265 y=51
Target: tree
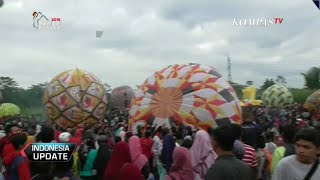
x=34 y=94
x=267 y=83
x=8 y=82
x=281 y=80
x=237 y=88
x=10 y=90
x=312 y=78
x=301 y=95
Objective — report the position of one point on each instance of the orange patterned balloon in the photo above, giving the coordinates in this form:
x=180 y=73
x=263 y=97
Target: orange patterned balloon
x=75 y=97
x=190 y=94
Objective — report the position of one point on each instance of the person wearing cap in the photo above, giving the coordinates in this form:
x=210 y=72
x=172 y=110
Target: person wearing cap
x=65 y=138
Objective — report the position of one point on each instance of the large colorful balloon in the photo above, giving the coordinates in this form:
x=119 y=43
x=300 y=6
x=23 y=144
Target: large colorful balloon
x=75 y=97
x=277 y=96
x=190 y=94
x=8 y=110
x=121 y=97
x=313 y=102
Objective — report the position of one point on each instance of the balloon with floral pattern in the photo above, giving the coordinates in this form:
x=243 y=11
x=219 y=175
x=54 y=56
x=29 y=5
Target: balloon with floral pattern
x=189 y=94
x=75 y=97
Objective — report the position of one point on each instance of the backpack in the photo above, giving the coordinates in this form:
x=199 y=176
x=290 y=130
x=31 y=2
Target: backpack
x=13 y=168
x=269 y=159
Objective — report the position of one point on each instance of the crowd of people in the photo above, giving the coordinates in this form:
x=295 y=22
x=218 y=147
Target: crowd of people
x=269 y=144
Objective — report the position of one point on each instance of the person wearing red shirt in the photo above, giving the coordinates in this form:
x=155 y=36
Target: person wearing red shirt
x=18 y=165
x=146 y=145
x=6 y=147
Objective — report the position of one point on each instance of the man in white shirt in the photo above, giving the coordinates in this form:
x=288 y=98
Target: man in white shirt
x=296 y=167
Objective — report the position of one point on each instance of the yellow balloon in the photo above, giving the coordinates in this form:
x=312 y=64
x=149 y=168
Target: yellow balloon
x=75 y=97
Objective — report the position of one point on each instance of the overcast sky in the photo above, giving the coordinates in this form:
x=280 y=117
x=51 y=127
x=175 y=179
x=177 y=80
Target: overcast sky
x=144 y=36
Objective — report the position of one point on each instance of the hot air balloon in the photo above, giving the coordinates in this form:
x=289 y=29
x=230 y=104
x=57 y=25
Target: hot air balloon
x=312 y=103
x=277 y=96
x=8 y=110
x=75 y=97
x=189 y=94
x=121 y=97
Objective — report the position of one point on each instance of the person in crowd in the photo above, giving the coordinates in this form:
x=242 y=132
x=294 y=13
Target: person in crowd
x=6 y=146
x=167 y=150
x=139 y=131
x=87 y=155
x=238 y=147
x=75 y=137
x=117 y=139
x=202 y=154
x=31 y=133
x=250 y=155
x=122 y=135
x=118 y=132
x=187 y=142
x=137 y=158
x=146 y=145
x=43 y=169
x=103 y=157
x=182 y=167
x=158 y=132
x=304 y=164
x=18 y=167
x=120 y=156
x=63 y=170
x=65 y=137
x=227 y=166
x=270 y=145
x=288 y=134
x=130 y=172
x=128 y=136
x=264 y=159
x=156 y=152
x=250 y=130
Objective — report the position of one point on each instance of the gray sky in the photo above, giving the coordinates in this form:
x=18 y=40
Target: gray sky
x=141 y=37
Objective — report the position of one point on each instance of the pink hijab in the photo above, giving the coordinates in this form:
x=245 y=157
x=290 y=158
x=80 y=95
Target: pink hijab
x=202 y=153
x=181 y=168
x=137 y=157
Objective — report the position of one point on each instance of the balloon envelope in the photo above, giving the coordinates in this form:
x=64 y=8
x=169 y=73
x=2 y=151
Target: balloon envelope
x=313 y=102
x=75 y=97
x=9 y=110
x=121 y=97
x=277 y=96
x=190 y=94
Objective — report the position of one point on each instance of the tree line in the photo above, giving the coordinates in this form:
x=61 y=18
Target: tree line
x=30 y=99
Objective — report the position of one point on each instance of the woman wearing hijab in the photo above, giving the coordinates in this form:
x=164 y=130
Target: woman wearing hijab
x=167 y=149
x=181 y=168
x=119 y=131
x=137 y=158
x=202 y=154
x=120 y=156
x=130 y=171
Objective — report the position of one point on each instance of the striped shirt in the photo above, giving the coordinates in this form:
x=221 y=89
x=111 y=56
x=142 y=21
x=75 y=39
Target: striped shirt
x=250 y=156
